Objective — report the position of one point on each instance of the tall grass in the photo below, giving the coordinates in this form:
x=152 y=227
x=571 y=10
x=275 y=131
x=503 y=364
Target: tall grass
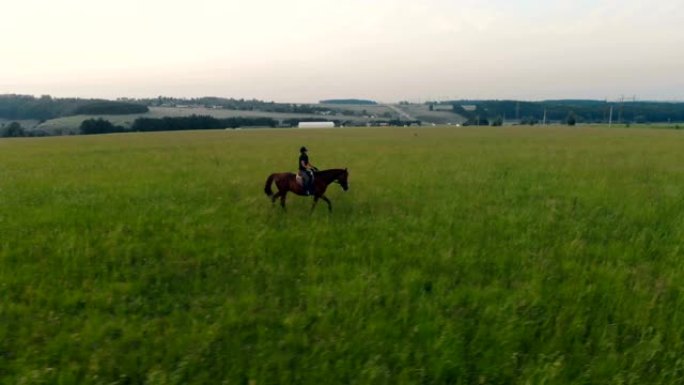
x=460 y=256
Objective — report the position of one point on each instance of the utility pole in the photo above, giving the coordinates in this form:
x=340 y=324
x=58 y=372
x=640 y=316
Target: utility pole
x=622 y=107
x=610 y=117
x=544 y=121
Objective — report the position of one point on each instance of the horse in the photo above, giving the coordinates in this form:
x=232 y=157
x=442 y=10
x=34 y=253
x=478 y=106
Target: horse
x=287 y=181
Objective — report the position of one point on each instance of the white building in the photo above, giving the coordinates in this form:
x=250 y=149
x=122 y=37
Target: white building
x=316 y=124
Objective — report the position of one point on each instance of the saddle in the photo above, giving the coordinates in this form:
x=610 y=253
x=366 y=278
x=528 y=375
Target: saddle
x=300 y=180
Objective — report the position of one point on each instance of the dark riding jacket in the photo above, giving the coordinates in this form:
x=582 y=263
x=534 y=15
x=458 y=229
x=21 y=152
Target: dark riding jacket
x=303 y=158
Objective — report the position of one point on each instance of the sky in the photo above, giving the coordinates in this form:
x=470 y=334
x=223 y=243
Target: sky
x=308 y=50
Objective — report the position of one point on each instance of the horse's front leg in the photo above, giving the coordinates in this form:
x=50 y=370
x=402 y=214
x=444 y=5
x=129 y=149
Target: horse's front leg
x=328 y=202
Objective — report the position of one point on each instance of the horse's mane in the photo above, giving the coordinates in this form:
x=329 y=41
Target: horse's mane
x=333 y=171
x=329 y=174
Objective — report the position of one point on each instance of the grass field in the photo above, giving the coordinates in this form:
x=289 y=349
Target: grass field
x=459 y=256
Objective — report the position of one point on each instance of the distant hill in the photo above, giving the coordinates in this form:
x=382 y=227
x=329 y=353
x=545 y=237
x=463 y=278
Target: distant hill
x=348 y=101
x=231 y=104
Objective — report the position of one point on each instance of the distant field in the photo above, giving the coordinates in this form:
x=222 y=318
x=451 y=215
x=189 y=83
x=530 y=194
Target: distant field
x=417 y=111
x=24 y=123
x=71 y=124
x=459 y=256
x=377 y=110
x=422 y=112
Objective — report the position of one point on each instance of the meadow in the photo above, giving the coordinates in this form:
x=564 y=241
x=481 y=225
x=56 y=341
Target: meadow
x=516 y=255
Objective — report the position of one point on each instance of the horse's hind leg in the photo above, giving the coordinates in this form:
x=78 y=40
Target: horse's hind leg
x=275 y=197
x=282 y=200
x=314 y=204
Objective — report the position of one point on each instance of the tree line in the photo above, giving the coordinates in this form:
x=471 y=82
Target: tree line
x=567 y=111
x=15 y=130
x=194 y=122
x=349 y=102
x=24 y=107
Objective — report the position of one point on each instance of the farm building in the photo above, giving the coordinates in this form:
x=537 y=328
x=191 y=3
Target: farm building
x=316 y=124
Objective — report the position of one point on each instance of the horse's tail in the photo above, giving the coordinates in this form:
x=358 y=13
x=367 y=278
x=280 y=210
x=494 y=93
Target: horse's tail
x=267 y=188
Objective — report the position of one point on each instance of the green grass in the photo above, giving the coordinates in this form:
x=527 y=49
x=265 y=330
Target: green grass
x=459 y=256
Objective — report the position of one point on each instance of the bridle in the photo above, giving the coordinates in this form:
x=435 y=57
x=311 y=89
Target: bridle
x=337 y=180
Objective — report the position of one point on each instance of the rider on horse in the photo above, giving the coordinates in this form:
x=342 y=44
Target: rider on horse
x=306 y=171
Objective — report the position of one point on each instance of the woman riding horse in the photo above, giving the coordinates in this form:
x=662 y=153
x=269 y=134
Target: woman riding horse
x=287 y=181
x=306 y=170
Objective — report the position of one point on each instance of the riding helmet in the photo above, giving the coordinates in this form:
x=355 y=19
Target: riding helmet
x=303 y=149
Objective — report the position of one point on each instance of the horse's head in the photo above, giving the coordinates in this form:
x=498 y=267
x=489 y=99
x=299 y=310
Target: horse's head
x=342 y=179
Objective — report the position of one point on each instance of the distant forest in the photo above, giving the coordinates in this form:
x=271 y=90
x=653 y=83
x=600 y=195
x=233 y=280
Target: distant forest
x=583 y=111
x=348 y=102
x=193 y=122
x=46 y=107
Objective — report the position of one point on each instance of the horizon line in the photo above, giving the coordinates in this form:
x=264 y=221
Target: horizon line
x=398 y=101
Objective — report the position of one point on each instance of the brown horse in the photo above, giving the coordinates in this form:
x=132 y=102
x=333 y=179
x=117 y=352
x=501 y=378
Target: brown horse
x=287 y=181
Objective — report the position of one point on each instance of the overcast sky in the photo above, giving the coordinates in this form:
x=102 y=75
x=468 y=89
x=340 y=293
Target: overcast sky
x=306 y=50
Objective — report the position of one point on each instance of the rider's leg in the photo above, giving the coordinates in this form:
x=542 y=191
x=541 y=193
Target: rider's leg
x=310 y=181
x=305 y=182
